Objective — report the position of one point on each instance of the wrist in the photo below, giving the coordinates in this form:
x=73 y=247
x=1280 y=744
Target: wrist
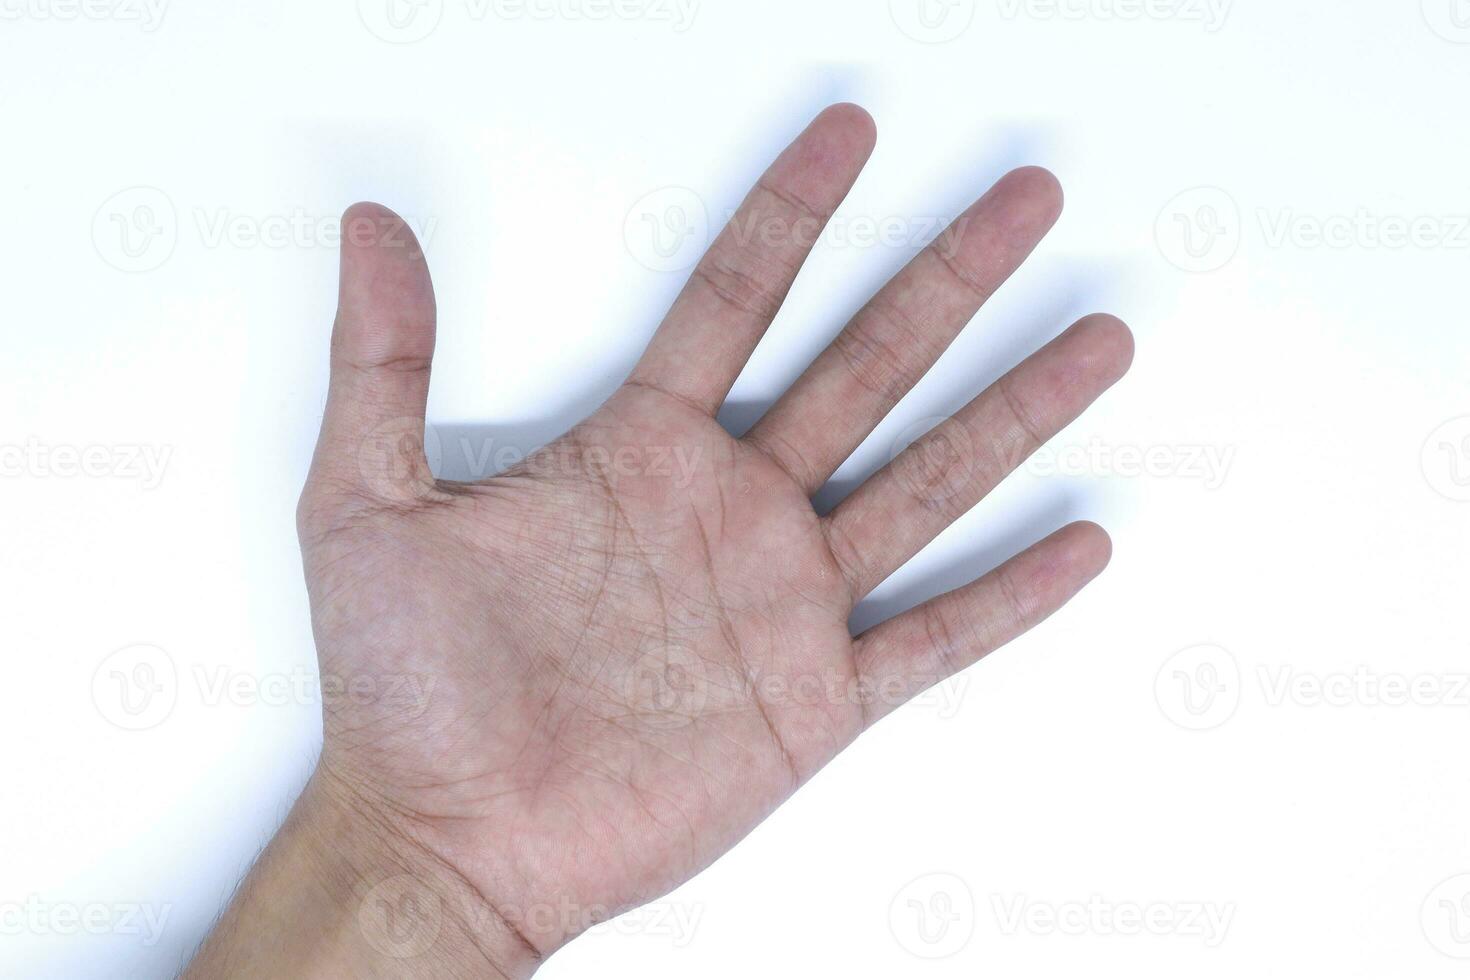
x=344 y=890
x=409 y=911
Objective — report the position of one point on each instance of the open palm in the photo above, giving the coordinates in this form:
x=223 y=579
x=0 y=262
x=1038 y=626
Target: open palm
x=634 y=645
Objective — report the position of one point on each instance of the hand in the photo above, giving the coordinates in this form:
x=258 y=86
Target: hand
x=638 y=640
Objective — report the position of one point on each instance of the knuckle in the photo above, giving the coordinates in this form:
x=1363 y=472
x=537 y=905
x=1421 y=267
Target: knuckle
x=939 y=469
x=883 y=349
x=803 y=209
x=1033 y=435
x=743 y=283
x=847 y=557
x=961 y=275
x=1022 y=612
x=788 y=456
x=941 y=637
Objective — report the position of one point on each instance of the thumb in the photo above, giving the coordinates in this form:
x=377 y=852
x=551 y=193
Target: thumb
x=372 y=437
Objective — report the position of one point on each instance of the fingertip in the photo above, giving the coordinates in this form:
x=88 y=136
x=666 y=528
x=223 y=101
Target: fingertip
x=854 y=123
x=385 y=295
x=1110 y=339
x=367 y=209
x=364 y=215
x=1039 y=185
x=841 y=135
x=1088 y=547
x=1021 y=208
x=821 y=164
x=369 y=225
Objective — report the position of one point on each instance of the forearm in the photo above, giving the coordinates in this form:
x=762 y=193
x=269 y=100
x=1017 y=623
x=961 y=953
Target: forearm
x=339 y=893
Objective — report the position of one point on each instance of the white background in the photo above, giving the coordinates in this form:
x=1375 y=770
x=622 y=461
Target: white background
x=1302 y=357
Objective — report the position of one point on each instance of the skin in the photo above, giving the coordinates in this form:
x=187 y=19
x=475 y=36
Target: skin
x=623 y=668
